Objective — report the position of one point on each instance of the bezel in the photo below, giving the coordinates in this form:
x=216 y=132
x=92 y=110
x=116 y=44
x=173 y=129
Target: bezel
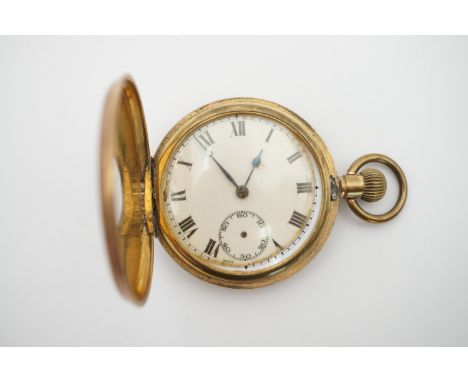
x=304 y=132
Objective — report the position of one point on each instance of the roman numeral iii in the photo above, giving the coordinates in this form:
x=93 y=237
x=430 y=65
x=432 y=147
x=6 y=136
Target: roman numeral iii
x=304 y=187
x=297 y=219
x=238 y=128
x=175 y=196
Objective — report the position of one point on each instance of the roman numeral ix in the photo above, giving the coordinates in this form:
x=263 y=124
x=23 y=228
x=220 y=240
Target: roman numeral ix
x=297 y=219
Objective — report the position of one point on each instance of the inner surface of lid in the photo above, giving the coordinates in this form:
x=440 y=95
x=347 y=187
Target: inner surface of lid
x=128 y=208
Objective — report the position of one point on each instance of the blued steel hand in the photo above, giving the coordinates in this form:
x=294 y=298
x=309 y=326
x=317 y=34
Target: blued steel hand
x=255 y=163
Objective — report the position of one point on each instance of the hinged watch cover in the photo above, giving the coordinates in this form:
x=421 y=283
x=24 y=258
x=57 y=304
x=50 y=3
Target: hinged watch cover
x=125 y=158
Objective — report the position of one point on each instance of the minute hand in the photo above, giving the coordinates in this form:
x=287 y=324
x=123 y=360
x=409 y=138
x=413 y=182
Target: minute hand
x=228 y=176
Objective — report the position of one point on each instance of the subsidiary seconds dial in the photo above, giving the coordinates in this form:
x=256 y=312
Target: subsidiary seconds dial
x=250 y=228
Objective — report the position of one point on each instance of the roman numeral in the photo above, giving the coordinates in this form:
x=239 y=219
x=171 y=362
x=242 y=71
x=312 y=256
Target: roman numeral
x=189 y=165
x=204 y=139
x=192 y=232
x=186 y=224
x=294 y=157
x=269 y=135
x=175 y=196
x=210 y=246
x=304 y=187
x=240 y=129
x=280 y=248
x=297 y=219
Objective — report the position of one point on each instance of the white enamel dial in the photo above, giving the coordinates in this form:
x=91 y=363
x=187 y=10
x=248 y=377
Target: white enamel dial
x=242 y=193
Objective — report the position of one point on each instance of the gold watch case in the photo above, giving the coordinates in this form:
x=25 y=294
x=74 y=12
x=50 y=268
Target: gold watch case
x=130 y=240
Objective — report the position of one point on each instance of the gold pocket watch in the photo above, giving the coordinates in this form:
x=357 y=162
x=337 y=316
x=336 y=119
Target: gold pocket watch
x=241 y=192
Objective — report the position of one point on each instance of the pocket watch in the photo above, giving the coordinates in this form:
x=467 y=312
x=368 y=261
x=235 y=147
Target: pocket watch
x=241 y=192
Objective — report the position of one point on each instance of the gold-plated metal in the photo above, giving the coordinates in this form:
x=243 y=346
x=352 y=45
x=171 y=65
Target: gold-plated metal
x=375 y=185
x=370 y=185
x=124 y=143
x=352 y=186
x=303 y=131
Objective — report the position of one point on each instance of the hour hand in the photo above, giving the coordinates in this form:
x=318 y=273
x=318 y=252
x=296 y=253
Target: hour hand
x=255 y=163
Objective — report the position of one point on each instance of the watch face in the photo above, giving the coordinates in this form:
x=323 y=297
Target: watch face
x=242 y=193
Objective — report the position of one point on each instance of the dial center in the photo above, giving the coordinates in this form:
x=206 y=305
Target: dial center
x=242 y=192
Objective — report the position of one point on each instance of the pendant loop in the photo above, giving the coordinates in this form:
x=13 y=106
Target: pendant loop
x=370 y=185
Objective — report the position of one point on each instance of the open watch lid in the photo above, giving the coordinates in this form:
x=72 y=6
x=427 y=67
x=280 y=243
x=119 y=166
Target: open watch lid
x=126 y=190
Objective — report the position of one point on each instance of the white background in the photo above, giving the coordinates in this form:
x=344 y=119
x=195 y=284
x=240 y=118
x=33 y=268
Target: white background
x=400 y=283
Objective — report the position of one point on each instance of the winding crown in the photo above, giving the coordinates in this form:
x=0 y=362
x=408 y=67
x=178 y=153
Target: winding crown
x=370 y=185
x=375 y=185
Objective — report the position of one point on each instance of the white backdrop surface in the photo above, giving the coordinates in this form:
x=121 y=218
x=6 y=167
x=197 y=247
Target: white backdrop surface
x=401 y=283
